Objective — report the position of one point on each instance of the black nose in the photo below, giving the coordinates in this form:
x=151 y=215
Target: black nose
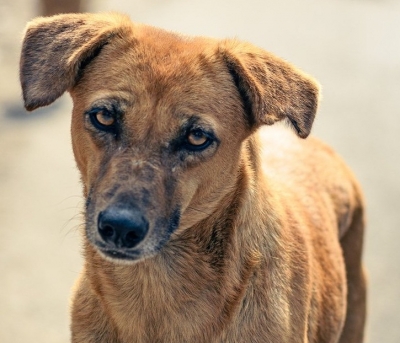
x=122 y=227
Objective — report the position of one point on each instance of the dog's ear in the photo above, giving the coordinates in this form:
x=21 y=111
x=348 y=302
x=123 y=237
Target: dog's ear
x=271 y=88
x=56 y=49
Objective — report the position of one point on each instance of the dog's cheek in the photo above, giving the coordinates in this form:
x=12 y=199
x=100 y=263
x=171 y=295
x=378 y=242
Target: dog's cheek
x=186 y=189
x=87 y=155
x=196 y=194
x=78 y=146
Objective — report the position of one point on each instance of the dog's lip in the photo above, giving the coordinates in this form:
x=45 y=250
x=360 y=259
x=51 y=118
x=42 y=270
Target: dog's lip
x=117 y=254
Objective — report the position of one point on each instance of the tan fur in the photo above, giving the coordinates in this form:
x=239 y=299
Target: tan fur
x=256 y=238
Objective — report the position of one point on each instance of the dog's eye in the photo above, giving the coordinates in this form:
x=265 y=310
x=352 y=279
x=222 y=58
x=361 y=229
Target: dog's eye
x=103 y=119
x=197 y=139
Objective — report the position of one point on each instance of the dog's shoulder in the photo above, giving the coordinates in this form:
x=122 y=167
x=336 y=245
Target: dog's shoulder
x=311 y=168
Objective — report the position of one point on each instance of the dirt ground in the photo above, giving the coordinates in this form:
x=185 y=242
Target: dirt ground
x=351 y=46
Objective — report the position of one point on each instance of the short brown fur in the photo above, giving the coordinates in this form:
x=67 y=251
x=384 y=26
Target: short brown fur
x=256 y=237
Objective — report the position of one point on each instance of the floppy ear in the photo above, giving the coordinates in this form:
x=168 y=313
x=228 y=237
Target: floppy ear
x=56 y=49
x=271 y=89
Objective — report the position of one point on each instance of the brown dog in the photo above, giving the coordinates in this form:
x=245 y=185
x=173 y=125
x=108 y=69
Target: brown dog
x=195 y=231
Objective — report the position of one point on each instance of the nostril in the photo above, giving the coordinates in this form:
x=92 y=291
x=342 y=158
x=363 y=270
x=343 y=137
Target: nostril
x=131 y=238
x=107 y=231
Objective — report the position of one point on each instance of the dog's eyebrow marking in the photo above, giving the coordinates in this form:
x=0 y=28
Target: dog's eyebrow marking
x=196 y=122
x=115 y=104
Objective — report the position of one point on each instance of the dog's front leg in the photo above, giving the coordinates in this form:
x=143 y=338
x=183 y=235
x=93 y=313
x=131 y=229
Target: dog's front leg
x=90 y=322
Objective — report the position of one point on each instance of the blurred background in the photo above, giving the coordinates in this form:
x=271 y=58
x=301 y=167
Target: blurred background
x=351 y=46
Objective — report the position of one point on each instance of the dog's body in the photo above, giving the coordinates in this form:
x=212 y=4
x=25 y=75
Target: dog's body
x=194 y=233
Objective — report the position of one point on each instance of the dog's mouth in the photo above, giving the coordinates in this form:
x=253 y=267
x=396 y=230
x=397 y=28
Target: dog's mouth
x=117 y=254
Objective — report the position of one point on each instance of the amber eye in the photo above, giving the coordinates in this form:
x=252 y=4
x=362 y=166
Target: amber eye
x=103 y=119
x=197 y=138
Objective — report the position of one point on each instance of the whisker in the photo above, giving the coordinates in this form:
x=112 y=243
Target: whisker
x=68 y=198
x=76 y=217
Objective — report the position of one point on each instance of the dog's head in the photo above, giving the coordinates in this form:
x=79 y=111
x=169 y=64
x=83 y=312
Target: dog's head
x=159 y=120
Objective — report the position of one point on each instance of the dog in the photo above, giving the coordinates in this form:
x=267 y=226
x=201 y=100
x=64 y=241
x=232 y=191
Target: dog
x=204 y=222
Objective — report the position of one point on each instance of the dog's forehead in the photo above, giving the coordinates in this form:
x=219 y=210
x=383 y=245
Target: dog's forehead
x=163 y=60
x=149 y=60
x=164 y=45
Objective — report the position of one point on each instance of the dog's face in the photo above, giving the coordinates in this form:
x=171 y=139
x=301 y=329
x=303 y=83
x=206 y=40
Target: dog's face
x=151 y=129
x=158 y=121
